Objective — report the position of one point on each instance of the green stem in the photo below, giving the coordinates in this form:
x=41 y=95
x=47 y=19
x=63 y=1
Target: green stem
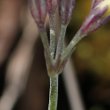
x=45 y=42
x=52 y=35
x=70 y=48
x=60 y=44
x=53 y=94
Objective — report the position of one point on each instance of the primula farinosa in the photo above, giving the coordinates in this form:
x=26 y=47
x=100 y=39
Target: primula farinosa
x=51 y=6
x=39 y=11
x=65 y=9
x=99 y=15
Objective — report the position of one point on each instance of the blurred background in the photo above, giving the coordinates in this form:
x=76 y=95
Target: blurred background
x=24 y=82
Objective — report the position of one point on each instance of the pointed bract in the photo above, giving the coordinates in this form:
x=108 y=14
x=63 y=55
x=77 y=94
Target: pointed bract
x=39 y=11
x=99 y=15
x=65 y=9
x=51 y=6
x=94 y=3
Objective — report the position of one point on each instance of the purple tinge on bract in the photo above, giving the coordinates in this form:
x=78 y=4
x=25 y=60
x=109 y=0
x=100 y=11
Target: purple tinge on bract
x=65 y=9
x=97 y=16
x=51 y=6
x=39 y=11
x=95 y=3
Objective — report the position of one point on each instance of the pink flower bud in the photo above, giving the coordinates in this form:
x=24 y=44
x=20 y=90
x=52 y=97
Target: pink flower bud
x=65 y=9
x=39 y=11
x=99 y=15
x=51 y=6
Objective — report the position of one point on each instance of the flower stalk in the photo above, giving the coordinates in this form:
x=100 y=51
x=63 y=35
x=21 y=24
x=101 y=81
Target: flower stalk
x=51 y=8
x=70 y=48
x=53 y=93
x=45 y=42
x=60 y=45
x=52 y=35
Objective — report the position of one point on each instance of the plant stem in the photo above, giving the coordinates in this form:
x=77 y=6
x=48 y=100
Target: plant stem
x=53 y=93
x=52 y=35
x=45 y=42
x=70 y=48
x=60 y=44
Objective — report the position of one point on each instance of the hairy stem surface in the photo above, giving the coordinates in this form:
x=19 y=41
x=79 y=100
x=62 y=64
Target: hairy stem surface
x=53 y=94
x=70 y=48
x=45 y=42
x=52 y=35
x=60 y=44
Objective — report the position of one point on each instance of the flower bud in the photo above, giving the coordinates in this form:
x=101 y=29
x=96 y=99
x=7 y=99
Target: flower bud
x=51 y=6
x=99 y=15
x=39 y=11
x=65 y=9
